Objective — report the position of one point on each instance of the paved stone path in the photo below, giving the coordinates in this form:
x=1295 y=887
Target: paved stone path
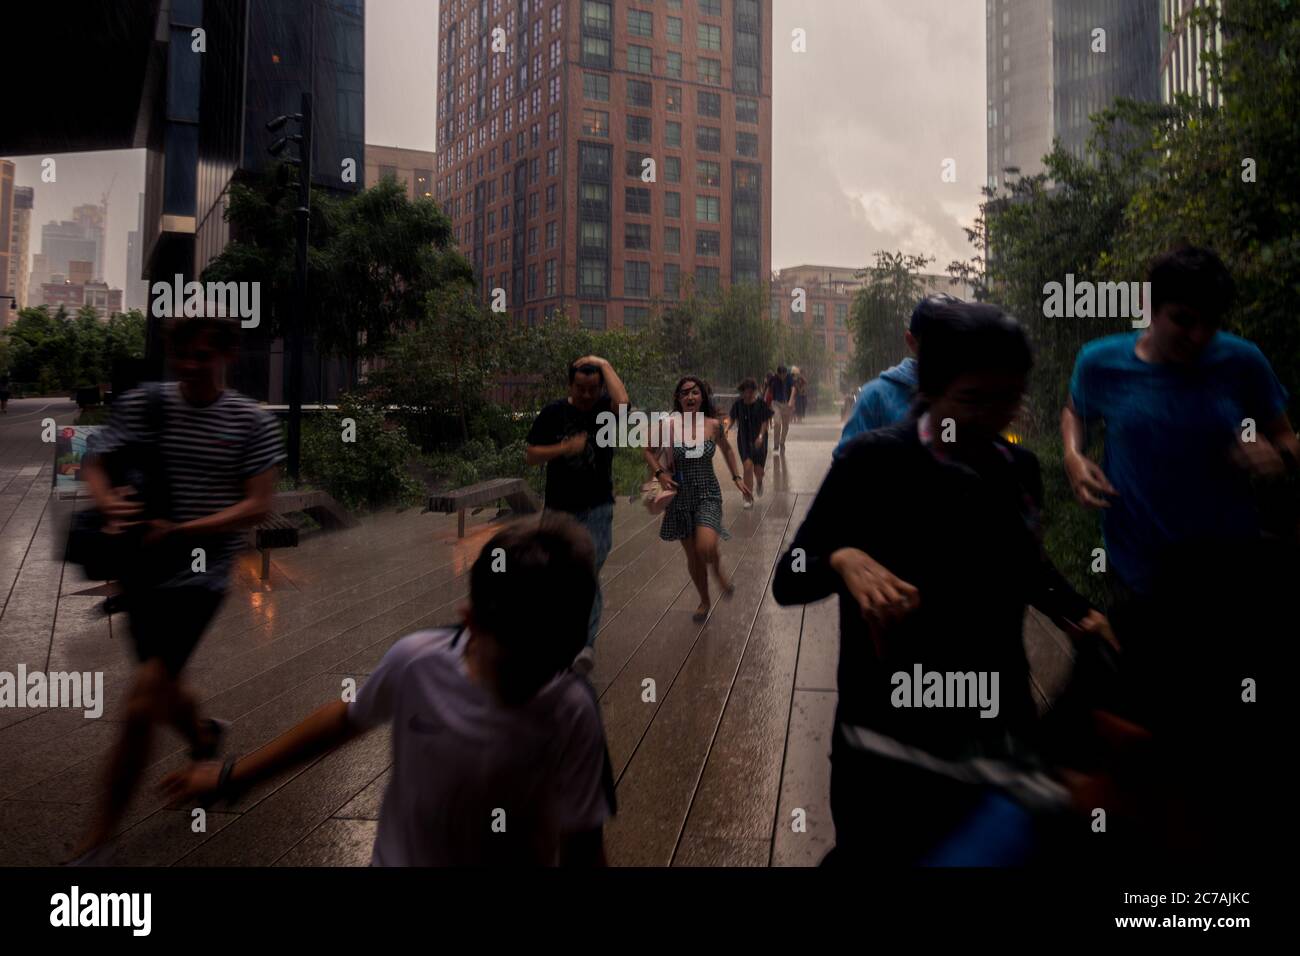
x=708 y=774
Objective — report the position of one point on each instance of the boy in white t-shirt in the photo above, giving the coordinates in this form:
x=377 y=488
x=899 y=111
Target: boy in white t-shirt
x=499 y=755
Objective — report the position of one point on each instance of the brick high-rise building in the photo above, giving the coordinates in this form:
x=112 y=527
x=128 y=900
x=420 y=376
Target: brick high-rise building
x=548 y=110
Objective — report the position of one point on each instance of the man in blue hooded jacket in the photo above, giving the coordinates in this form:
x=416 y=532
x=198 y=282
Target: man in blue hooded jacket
x=886 y=400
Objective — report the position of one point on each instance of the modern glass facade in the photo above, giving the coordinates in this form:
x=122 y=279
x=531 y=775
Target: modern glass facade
x=1086 y=78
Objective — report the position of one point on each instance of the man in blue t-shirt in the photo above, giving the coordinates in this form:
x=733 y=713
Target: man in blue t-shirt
x=1192 y=416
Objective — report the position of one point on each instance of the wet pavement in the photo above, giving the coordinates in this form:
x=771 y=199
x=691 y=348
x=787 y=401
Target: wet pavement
x=711 y=772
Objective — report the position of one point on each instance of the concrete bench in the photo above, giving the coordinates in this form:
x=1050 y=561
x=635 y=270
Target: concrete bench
x=515 y=491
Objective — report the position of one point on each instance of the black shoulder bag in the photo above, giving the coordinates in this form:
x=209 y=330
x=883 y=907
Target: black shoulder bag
x=105 y=555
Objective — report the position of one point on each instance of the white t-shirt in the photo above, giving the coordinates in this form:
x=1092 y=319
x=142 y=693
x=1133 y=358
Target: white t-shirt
x=475 y=783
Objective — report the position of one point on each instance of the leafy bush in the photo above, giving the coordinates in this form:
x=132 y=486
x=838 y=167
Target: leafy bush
x=368 y=473
x=478 y=460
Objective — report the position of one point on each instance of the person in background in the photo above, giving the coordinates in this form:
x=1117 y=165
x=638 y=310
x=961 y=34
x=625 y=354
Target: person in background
x=499 y=755
x=782 y=384
x=887 y=399
x=580 y=473
x=750 y=418
x=694 y=516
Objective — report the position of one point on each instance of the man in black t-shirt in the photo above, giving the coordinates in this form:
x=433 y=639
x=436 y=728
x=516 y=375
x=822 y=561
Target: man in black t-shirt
x=580 y=473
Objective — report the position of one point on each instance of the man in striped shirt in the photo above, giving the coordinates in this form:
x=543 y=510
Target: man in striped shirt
x=212 y=455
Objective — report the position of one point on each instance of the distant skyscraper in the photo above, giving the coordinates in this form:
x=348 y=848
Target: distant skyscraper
x=1182 y=67
x=606 y=155
x=65 y=242
x=93 y=218
x=1051 y=64
x=8 y=287
x=21 y=242
x=137 y=288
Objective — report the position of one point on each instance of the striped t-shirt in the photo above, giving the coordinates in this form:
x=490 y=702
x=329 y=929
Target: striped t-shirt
x=208 y=452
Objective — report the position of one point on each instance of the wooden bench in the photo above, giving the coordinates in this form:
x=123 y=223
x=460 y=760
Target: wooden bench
x=277 y=531
x=273 y=531
x=515 y=491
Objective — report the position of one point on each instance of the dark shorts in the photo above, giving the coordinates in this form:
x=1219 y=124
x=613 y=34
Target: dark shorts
x=166 y=623
x=759 y=457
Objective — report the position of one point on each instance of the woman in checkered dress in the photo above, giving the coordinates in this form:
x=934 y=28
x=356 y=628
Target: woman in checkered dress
x=694 y=517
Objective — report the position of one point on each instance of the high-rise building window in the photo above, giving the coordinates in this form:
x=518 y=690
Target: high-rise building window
x=819 y=315
x=423 y=183
x=707 y=279
x=595 y=16
x=637 y=201
x=746 y=78
x=593 y=277
x=595 y=123
x=638 y=58
x=550 y=277
x=550 y=198
x=636 y=279
x=593 y=235
x=636 y=235
x=640 y=23
x=711 y=8
x=674 y=29
x=673 y=64
x=672 y=134
x=595 y=51
x=707 y=209
x=635 y=316
x=841 y=343
x=595 y=86
x=708 y=173
x=635 y=163
x=708 y=139
x=638 y=129
x=747 y=144
x=672 y=205
x=746 y=110
x=673 y=99
x=841 y=314
x=708 y=243
x=672 y=280
x=552 y=234
x=708 y=104
x=592 y=317
x=672 y=239
x=672 y=169
x=709 y=36
x=552 y=162
x=639 y=93
x=532 y=241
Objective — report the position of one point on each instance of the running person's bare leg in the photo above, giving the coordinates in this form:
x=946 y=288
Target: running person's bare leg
x=699 y=577
x=710 y=556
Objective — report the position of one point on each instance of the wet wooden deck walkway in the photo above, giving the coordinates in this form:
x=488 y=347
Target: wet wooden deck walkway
x=708 y=774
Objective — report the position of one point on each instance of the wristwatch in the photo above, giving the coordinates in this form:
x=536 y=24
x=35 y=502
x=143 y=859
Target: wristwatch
x=658 y=472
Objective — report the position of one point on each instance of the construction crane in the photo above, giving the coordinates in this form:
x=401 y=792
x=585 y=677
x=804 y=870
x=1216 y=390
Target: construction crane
x=103 y=250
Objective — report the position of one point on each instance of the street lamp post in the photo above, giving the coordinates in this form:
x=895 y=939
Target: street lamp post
x=303 y=216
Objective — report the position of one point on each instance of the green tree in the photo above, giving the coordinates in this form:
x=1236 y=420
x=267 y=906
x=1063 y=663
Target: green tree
x=373 y=260
x=880 y=310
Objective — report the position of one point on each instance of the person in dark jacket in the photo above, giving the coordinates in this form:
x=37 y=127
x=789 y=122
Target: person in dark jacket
x=928 y=533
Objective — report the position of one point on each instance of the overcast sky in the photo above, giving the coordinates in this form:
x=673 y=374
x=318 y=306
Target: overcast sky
x=862 y=124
